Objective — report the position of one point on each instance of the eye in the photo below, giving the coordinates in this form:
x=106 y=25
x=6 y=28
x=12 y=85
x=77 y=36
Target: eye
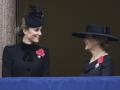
x=37 y=29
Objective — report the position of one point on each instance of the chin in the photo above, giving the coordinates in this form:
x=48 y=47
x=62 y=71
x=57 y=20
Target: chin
x=87 y=49
x=35 y=41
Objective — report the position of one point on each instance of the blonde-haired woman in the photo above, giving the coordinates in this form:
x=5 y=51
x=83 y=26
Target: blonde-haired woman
x=96 y=39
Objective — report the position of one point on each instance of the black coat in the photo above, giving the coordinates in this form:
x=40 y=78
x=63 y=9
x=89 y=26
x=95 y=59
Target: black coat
x=21 y=60
x=104 y=69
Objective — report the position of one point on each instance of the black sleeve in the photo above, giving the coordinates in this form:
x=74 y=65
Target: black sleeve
x=46 y=65
x=6 y=63
x=107 y=69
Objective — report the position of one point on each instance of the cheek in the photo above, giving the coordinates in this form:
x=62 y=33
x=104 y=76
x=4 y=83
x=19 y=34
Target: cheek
x=94 y=43
x=89 y=44
x=86 y=42
x=30 y=34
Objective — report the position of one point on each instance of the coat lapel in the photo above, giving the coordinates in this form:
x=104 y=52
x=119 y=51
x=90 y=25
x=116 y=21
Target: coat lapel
x=90 y=66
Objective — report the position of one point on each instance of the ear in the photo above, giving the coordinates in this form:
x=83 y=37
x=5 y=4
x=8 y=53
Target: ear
x=24 y=31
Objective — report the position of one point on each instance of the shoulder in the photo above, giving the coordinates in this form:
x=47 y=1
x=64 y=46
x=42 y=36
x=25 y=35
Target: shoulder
x=9 y=47
x=107 y=59
x=7 y=51
x=12 y=48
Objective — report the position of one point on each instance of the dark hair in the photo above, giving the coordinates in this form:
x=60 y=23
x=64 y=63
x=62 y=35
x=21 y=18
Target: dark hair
x=34 y=18
x=22 y=27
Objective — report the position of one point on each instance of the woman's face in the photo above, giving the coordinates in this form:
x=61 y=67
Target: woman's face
x=33 y=34
x=90 y=43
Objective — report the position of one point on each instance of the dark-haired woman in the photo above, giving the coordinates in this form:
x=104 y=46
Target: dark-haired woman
x=27 y=59
x=96 y=40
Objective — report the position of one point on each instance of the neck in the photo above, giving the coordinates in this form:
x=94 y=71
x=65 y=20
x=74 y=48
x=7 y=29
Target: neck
x=96 y=51
x=26 y=41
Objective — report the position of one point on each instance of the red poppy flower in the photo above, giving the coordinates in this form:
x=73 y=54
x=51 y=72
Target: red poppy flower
x=40 y=52
x=101 y=59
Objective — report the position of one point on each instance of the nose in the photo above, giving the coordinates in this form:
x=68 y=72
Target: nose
x=39 y=32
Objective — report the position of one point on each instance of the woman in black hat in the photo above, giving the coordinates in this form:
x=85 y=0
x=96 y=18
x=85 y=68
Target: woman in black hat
x=96 y=40
x=27 y=59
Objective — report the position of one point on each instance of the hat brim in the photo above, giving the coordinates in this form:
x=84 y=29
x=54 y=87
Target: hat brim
x=83 y=35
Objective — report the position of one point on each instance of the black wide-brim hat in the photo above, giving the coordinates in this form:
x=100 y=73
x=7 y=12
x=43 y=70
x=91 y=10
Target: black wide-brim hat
x=96 y=30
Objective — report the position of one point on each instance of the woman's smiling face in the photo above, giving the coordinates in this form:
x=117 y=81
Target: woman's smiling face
x=33 y=34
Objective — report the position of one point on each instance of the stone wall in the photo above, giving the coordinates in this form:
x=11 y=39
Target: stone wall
x=7 y=25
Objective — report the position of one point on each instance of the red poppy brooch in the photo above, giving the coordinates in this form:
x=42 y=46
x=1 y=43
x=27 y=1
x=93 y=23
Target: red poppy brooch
x=100 y=60
x=40 y=53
